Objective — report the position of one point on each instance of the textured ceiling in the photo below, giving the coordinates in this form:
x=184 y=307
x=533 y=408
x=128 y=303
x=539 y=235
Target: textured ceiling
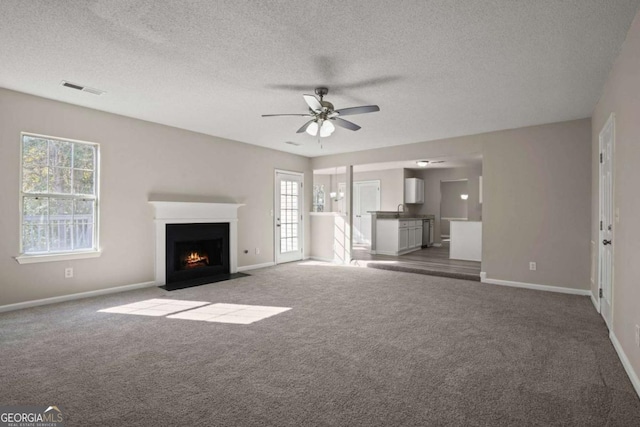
x=436 y=68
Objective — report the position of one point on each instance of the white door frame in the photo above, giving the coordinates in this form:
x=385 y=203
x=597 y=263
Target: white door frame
x=603 y=233
x=276 y=209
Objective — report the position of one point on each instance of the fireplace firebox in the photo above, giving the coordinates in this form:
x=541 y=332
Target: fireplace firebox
x=196 y=253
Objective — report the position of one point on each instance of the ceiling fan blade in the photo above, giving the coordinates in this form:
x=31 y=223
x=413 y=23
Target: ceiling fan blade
x=305 y=126
x=345 y=123
x=358 y=110
x=277 y=115
x=313 y=103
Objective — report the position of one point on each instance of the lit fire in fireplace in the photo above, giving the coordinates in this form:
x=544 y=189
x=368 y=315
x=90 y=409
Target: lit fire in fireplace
x=196 y=259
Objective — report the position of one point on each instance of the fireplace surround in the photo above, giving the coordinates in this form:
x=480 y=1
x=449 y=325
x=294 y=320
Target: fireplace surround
x=195 y=241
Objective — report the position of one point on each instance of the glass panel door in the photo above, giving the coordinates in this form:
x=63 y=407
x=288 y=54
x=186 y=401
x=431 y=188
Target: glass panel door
x=288 y=217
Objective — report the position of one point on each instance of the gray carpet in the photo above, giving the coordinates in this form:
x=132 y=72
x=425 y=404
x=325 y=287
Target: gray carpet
x=361 y=347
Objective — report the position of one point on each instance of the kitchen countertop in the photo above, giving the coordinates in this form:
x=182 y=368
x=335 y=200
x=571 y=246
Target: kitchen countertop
x=379 y=215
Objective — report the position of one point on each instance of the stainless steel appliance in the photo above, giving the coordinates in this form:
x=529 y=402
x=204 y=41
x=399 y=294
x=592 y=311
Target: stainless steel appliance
x=427 y=233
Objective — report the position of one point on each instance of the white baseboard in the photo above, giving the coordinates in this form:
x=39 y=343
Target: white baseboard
x=595 y=302
x=633 y=376
x=71 y=297
x=437 y=245
x=256 y=266
x=534 y=286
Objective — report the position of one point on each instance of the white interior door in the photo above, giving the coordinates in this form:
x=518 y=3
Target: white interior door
x=607 y=139
x=288 y=217
x=366 y=198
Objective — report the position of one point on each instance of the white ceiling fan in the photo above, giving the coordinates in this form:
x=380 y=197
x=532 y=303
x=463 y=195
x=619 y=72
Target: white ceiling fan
x=324 y=115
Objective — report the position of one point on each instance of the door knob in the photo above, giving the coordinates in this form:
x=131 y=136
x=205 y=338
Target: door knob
x=606 y=242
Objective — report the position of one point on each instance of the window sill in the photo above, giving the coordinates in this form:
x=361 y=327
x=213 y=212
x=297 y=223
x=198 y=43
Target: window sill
x=30 y=259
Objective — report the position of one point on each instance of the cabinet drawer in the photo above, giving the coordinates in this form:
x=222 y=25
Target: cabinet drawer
x=404 y=223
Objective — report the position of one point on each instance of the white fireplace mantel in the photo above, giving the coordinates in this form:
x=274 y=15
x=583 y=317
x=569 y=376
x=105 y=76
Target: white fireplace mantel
x=167 y=212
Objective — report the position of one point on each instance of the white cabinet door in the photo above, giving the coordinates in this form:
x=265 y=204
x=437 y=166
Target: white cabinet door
x=418 y=234
x=413 y=190
x=412 y=238
x=403 y=239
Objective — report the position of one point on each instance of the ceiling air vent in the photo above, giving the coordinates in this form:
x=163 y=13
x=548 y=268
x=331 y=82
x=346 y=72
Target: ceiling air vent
x=82 y=88
x=292 y=143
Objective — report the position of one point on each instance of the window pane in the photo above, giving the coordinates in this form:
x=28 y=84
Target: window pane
x=63 y=174
x=34 y=238
x=60 y=153
x=60 y=209
x=83 y=182
x=83 y=235
x=34 y=152
x=60 y=238
x=60 y=180
x=34 y=180
x=34 y=210
x=84 y=208
x=83 y=156
x=83 y=224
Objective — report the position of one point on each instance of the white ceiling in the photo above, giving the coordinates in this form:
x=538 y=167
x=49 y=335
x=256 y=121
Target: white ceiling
x=437 y=68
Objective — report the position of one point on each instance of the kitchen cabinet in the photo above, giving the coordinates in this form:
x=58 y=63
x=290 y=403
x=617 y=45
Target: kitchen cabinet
x=398 y=236
x=413 y=190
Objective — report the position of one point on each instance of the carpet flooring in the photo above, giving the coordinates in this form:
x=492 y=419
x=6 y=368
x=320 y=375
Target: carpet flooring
x=359 y=347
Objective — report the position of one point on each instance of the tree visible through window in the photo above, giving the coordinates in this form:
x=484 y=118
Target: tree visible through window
x=59 y=195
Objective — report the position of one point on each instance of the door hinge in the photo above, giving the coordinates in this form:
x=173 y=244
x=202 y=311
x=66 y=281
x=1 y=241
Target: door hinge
x=600 y=157
x=600 y=293
x=600 y=225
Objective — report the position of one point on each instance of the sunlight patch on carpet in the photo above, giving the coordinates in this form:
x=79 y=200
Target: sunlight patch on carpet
x=155 y=307
x=230 y=313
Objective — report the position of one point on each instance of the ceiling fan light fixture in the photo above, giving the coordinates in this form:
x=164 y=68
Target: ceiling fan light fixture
x=327 y=128
x=312 y=129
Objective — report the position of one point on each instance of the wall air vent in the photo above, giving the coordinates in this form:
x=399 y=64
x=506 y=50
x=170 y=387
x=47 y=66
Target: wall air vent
x=81 y=88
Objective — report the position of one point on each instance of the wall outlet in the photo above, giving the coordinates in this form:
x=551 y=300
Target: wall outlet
x=257 y=251
x=68 y=273
x=637 y=335
x=533 y=266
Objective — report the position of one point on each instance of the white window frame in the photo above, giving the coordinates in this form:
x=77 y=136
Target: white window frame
x=62 y=255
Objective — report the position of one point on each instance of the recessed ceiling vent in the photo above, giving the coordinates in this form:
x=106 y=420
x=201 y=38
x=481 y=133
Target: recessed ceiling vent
x=292 y=143
x=82 y=88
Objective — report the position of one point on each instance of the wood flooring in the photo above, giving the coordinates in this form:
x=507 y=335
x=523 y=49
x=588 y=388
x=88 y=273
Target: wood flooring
x=432 y=261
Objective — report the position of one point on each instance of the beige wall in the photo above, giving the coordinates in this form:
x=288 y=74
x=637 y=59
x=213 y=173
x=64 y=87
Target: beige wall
x=621 y=96
x=137 y=159
x=536 y=197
